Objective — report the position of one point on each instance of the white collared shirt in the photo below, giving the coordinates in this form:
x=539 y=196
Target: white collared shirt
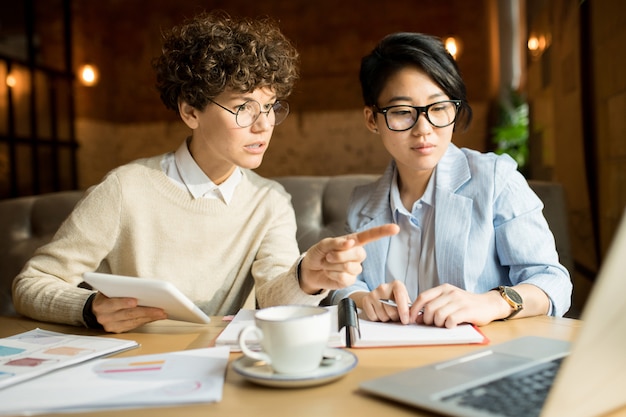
x=181 y=168
x=411 y=257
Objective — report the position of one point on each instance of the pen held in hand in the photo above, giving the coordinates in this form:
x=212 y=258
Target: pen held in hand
x=393 y=304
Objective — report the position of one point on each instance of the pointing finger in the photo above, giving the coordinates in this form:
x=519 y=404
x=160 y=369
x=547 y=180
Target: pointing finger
x=375 y=233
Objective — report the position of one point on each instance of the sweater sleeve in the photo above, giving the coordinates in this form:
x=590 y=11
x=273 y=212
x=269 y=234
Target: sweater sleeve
x=47 y=287
x=275 y=269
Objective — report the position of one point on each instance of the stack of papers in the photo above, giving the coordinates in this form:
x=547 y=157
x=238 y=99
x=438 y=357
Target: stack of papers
x=185 y=377
x=36 y=352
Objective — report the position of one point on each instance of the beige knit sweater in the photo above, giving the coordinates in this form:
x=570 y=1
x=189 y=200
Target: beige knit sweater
x=137 y=222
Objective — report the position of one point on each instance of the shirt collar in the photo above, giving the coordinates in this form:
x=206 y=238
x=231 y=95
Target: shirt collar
x=197 y=182
x=394 y=197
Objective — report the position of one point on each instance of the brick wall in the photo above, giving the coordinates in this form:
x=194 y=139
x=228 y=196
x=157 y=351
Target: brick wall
x=122 y=117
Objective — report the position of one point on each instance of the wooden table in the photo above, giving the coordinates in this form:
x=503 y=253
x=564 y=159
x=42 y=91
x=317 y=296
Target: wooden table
x=339 y=398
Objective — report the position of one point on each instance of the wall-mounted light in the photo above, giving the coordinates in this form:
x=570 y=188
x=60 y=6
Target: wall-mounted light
x=88 y=75
x=17 y=80
x=537 y=44
x=453 y=46
x=11 y=80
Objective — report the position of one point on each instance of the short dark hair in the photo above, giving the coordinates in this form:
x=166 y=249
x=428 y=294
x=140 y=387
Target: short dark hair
x=402 y=49
x=214 y=52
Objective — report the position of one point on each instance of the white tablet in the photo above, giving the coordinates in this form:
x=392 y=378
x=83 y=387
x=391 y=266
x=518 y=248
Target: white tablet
x=149 y=293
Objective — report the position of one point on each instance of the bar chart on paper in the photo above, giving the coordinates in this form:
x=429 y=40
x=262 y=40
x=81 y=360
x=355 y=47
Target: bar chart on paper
x=34 y=353
x=130 y=366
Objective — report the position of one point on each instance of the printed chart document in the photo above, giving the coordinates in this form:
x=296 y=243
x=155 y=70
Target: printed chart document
x=369 y=333
x=183 y=377
x=37 y=352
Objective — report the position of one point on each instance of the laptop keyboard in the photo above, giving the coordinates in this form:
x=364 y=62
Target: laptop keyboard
x=518 y=395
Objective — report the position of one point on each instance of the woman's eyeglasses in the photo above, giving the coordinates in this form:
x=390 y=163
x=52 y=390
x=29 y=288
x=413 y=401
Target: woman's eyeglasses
x=249 y=112
x=404 y=117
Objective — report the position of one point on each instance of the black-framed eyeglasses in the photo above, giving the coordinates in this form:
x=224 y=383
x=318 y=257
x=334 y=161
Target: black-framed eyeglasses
x=404 y=117
x=249 y=112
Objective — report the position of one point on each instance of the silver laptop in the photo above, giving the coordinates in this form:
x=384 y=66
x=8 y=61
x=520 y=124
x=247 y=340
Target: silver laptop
x=586 y=378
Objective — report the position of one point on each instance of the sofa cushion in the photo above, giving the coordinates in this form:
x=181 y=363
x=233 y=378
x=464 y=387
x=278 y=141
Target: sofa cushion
x=25 y=224
x=320 y=204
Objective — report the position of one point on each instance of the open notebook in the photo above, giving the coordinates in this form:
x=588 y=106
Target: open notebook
x=587 y=377
x=371 y=334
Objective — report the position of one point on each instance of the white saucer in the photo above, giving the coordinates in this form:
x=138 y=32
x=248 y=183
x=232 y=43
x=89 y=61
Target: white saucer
x=330 y=369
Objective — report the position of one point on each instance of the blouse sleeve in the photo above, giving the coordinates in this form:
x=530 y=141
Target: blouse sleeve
x=525 y=244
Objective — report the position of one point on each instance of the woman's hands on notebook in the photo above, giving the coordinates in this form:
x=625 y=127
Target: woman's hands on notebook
x=446 y=305
x=442 y=306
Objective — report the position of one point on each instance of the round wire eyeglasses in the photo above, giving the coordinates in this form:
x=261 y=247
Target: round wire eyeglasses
x=249 y=112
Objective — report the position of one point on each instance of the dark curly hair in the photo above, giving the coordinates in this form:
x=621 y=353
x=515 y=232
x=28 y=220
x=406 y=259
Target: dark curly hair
x=214 y=52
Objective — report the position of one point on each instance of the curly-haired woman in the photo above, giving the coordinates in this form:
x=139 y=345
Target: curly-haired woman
x=197 y=217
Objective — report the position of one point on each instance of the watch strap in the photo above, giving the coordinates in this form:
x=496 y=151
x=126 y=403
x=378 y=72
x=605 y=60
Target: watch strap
x=517 y=307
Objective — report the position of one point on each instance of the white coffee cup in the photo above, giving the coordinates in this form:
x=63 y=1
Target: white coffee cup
x=292 y=337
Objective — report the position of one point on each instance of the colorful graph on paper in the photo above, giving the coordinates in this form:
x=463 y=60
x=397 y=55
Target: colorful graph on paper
x=36 y=352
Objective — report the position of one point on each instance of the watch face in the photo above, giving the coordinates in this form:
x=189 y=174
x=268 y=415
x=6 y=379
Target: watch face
x=513 y=295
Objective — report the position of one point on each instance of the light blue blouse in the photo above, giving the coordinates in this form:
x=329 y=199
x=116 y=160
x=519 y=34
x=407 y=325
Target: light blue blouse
x=411 y=254
x=489 y=229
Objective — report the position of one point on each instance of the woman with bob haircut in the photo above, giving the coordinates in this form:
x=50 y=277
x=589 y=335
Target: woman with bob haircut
x=473 y=245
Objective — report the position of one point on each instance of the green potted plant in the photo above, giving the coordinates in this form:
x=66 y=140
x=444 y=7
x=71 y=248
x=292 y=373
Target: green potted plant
x=510 y=135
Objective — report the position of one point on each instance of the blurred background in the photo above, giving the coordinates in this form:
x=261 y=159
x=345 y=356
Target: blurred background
x=545 y=79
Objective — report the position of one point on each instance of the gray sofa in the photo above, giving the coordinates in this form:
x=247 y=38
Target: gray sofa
x=319 y=202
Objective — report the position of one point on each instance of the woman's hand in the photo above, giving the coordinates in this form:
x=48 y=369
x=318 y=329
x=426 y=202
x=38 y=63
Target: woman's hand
x=448 y=306
x=335 y=263
x=118 y=315
x=374 y=310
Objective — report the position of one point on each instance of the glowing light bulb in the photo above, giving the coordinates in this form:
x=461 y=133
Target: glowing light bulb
x=11 y=80
x=453 y=46
x=88 y=75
